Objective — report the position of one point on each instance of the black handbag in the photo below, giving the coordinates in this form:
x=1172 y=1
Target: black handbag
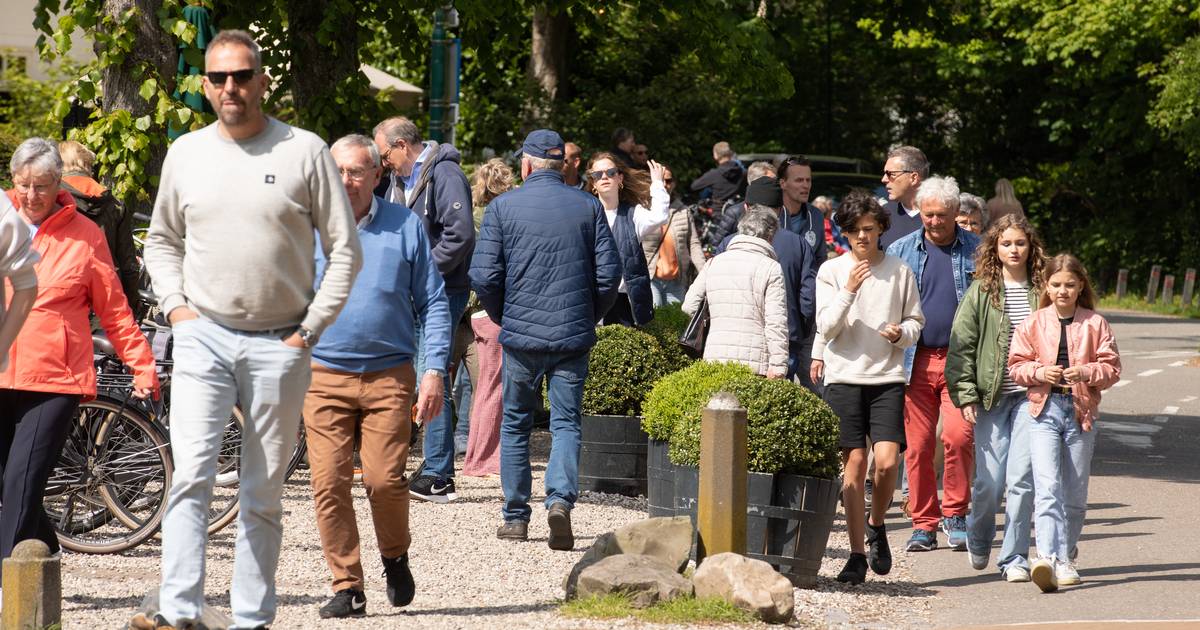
x=694 y=335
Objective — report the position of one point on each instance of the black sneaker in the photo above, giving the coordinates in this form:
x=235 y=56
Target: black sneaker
x=855 y=571
x=513 y=530
x=559 y=519
x=879 y=550
x=432 y=489
x=400 y=585
x=349 y=602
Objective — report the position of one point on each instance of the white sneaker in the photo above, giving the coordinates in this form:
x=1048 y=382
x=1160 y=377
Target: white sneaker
x=1065 y=573
x=1015 y=574
x=978 y=562
x=1042 y=574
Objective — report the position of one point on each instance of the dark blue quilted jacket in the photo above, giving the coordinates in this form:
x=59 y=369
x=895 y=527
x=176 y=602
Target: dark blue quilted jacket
x=546 y=267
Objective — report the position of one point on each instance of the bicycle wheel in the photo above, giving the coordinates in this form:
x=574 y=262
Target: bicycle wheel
x=110 y=489
x=223 y=508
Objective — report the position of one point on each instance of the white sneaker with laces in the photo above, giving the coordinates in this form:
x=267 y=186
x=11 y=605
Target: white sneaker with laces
x=1042 y=573
x=1065 y=573
x=1015 y=574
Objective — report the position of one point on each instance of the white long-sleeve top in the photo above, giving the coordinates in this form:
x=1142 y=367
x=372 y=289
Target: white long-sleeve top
x=646 y=220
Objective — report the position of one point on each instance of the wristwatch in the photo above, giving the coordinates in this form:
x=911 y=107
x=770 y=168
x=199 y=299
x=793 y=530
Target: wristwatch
x=434 y=372
x=307 y=337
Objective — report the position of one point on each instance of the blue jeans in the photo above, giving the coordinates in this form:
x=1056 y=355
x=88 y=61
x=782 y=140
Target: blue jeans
x=667 y=291
x=463 y=390
x=439 y=432
x=522 y=376
x=1062 y=463
x=216 y=367
x=1002 y=461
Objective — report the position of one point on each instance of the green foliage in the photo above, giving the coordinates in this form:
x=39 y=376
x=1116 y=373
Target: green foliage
x=668 y=324
x=681 y=610
x=26 y=110
x=679 y=397
x=788 y=428
x=1176 y=110
x=1138 y=303
x=623 y=366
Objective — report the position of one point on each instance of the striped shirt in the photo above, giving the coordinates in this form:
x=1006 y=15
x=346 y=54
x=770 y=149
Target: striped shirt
x=1016 y=308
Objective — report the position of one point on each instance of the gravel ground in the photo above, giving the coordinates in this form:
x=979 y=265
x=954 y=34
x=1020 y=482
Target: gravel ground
x=466 y=578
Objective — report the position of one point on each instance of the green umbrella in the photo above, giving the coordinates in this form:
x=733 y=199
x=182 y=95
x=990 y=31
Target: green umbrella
x=191 y=61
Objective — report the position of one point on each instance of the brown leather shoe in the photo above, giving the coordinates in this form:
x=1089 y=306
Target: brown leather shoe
x=559 y=519
x=142 y=621
x=513 y=530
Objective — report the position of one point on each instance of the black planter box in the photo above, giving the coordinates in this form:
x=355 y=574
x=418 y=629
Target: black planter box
x=612 y=455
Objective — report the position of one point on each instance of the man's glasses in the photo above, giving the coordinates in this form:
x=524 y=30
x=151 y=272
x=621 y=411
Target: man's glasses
x=892 y=175
x=357 y=174
x=240 y=77
x=608 y=172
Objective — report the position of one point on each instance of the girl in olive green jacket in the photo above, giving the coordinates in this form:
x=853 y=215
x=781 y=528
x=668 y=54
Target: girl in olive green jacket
x=1008 y=277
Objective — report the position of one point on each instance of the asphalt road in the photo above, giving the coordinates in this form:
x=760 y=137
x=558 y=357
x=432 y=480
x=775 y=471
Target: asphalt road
x=1140 y=548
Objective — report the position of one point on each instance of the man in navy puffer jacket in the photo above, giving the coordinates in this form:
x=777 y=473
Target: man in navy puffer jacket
x=546 y=269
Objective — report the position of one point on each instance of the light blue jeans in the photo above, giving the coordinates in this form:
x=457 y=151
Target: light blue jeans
x=667 y=291
x=1002 y=466
x=1062 y=462
x=521 y=375
x=216 y=367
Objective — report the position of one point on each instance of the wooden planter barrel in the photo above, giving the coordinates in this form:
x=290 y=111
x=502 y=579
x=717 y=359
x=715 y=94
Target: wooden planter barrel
x=789 y=518
x=660 y=479
x=612 y=455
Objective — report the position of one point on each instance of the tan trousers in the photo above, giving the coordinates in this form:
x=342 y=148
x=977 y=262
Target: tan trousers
x=379 y=404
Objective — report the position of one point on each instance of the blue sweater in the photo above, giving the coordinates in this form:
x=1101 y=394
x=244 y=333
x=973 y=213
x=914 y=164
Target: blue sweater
x=398 y=282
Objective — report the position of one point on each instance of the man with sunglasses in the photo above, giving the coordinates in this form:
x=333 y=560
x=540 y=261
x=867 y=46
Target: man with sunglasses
x=428 y=178
x=240 y=206
x=905 y=169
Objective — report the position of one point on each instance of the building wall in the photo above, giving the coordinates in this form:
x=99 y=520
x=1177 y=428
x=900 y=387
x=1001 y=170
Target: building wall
x=18 y=38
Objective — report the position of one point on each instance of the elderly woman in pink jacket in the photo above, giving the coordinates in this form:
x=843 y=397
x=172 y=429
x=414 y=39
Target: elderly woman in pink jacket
x=746 y=298
x=1065 y=353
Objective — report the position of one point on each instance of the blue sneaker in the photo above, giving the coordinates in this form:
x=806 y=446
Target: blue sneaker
x=922 y=541
x=955 y=528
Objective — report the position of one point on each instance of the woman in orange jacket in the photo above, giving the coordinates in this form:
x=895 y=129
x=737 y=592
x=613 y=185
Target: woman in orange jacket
x=49 y=369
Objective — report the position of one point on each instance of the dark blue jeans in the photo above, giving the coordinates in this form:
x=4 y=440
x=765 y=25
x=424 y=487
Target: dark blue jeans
x=522 y=376
x=439 y=432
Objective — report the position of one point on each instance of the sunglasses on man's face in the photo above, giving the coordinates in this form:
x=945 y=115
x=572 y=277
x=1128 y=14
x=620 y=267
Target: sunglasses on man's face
x=608 y=172
x=240 y=77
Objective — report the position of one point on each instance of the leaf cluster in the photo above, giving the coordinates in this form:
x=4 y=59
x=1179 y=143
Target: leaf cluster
x=623 y=366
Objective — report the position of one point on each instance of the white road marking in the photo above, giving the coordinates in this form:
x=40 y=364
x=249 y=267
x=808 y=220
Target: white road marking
x=1187 y=399
x=1160 y=419
x=1122 y=383
x=1157 y=456
x=1149 y=373
x=1157 y=354
x=1178 y=364
x=1171 y=410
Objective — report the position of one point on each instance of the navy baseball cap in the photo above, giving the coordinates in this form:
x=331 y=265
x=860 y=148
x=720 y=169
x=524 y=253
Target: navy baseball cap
x=545 y=144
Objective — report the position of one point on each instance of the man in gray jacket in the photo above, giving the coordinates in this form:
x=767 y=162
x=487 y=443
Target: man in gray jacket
x=230 y=252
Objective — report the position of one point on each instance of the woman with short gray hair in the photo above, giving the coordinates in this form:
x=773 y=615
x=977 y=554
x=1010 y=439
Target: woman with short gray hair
x=747 y=301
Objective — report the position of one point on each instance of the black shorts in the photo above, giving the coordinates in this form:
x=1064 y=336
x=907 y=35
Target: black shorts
x=874 y=411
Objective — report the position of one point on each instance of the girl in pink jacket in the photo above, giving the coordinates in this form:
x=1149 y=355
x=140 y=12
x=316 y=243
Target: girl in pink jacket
x=1065 y=353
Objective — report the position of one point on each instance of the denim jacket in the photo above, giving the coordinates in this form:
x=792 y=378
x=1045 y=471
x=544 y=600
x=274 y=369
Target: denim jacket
x=911 y=249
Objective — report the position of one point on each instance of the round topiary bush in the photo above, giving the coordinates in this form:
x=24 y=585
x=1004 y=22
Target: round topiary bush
x=789 y=429
x=668 y=324
x=623 y=366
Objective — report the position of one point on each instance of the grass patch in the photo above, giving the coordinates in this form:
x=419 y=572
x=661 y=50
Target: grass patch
x=1138 y=303
x=679 y=610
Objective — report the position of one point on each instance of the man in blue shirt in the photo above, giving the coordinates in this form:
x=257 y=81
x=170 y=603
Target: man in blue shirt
x=363 y=381
x=546 y=268
x=942 y=257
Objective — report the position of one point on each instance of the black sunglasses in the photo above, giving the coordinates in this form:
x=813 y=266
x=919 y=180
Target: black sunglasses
x=240 y=77
x=608 y=172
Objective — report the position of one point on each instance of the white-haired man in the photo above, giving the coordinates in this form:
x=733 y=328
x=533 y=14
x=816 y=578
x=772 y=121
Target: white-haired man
x=942 y=257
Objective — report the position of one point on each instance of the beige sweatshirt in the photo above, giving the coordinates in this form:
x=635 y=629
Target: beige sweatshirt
x=855 y=352
x=233 y=230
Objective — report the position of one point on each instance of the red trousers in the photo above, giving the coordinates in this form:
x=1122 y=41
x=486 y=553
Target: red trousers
x=926 y=396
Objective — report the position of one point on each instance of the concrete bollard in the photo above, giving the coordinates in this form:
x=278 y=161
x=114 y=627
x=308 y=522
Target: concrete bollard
x=1152 y=286
x=32 y=587
x=1122 y=283
x=1168 y=293
x=1189 y=285
x=721 y=513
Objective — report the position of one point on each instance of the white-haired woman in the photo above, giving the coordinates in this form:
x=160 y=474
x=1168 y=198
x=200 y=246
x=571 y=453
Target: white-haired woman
x=746 y=298
x=54 y=348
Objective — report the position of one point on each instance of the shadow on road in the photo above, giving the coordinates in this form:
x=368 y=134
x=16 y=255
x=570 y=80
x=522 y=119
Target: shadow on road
x=1136 y=446
x=1133 y=317
x=1142 y=573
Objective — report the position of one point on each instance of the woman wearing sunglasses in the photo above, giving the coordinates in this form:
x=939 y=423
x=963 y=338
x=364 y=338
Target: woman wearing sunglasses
x=625 y=195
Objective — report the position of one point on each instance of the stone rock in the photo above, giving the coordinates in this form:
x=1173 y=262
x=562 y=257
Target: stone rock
x=666 y=538
x=752 y=585
x=212 y=618
x=646 y=580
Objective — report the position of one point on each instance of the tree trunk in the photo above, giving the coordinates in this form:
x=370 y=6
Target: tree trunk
x=547 y=64
x=121 y=82
x=319 y=71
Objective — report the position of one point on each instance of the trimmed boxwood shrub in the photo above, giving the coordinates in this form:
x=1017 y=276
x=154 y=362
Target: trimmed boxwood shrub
x=789 y=429
x=668 y=324
x=624 y=365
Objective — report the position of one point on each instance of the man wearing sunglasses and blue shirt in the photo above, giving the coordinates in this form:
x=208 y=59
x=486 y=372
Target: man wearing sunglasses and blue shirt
x=230 y=251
